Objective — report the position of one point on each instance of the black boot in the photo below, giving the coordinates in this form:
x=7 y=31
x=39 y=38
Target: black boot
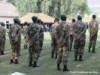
x=52 y=55
x=58 y=67
x=75 y=58
x=80 y=58
x=56 y=56
x=93 y=51
x=25 y=46
x=11 y=61
x=16 y=61
x=2 y=53
x=89 y=50
x=65 y=68
x=30 y=64
x=35 y=64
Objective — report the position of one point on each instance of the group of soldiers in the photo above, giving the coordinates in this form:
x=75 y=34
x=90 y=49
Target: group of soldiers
x=63 y=34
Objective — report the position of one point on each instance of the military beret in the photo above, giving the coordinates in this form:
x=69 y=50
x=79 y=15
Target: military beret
x=73 y=20
x=56 y=19
x=39 y=21
x=25 y=23
x=79 y=17
x=16 y=20
x=63 y=17
x=93 y=16
x=34 y=18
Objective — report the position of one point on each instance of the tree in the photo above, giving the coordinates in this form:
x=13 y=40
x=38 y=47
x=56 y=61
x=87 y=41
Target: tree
x=52 y=7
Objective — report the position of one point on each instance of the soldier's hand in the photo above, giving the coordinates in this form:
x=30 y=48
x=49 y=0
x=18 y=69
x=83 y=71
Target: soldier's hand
x=78 y=37
x=61 y=44
x=30 y=43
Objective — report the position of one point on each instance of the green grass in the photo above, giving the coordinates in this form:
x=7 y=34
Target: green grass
x=91 y=62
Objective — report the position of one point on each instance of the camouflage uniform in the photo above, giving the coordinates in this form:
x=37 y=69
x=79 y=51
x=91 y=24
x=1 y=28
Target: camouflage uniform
x=54 y=45
x=25 y=36
x=2 y=39
x=41 y=37
x=71 y=35
x=15 y=40
x=62 y=32
x=34 y=46
x=93 y=30
x=79 y=39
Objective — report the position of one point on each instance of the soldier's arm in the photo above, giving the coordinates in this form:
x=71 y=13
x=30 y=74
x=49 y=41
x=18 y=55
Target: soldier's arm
x=97 y=26
x=84 y=30
x=89 y=27
x=57 y=32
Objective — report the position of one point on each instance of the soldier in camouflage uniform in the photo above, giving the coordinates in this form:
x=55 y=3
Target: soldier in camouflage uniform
x=41 y=35
x=14 y=36
x=33 y=39
x=93 y=30
x=25 y=35
x=79 y=38
x=54 y=45
x=71 y=33
x=2 y=38
x=62 y=32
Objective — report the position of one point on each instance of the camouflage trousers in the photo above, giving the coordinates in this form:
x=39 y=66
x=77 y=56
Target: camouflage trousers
x=79 y=47
x=33 y=53
x=71 y=41
x=54 y=46
x=92 y=42
x=41 y=46
x=15 y=49
x=2 y=45
x=62 y=55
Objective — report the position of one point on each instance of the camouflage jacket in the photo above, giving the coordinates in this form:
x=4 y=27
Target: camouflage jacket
x=62 y=32
x=41 y=34
x=2 y=33
x=93 y=27
x=14 y=32
x=79 y=30
x=33 y=33
x=53 y=31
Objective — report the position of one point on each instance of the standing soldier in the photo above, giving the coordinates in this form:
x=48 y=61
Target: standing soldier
x=14 y=35
x=41 y=35
x=33 y=39
x=79 y=38
x=62 y=32
x=25 y=34
x=54 y=46
x=93 y=30
x=2 y=38
x=71 y=33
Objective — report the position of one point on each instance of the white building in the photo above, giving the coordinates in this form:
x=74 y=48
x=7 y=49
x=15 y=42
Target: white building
x=7 y=12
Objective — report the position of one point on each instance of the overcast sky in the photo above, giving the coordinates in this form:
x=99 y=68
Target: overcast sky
x=94 y=6
x=93 y=3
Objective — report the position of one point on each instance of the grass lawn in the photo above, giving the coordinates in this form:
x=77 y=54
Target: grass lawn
x=90 y=64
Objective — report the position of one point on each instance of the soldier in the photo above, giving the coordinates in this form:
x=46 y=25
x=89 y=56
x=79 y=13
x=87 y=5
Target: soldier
x=14 y=36
x=54 y=46
x=93 y=30
x=71 y=33
x=62 y=32
x=2 y=38
x=41 y=35
x=33 y=39
x=25 y=35
x=79 y=38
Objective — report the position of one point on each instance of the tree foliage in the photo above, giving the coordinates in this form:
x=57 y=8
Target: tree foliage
x=52 y=7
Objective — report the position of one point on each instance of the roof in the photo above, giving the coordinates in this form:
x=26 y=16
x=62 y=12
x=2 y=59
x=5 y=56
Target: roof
x=45 y=18
x=8 y=10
